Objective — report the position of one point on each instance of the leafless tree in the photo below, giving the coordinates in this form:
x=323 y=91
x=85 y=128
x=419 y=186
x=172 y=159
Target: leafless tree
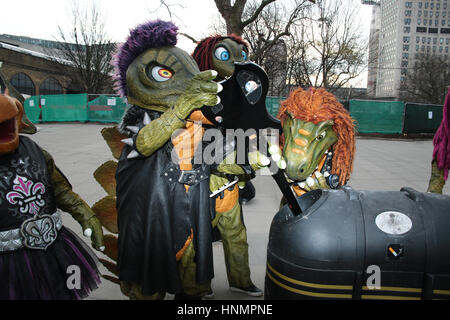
x=233 y=14
x=85 y=44
x=329 y=50
x=427 y=81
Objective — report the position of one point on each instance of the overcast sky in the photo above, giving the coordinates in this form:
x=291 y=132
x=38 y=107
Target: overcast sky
x=40 y=18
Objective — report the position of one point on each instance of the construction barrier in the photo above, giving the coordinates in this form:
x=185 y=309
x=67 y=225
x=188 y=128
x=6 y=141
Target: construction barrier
x=106 y=109
x=422 y=118
x=273 y=104
x=373 y=116
x=32 y=109
x=64 y=107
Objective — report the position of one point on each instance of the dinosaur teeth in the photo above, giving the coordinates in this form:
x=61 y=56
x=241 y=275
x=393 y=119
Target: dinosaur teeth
x=128 y=141
x=310 y=182
x=133 y=129
x=147 y=119
x=133 y=154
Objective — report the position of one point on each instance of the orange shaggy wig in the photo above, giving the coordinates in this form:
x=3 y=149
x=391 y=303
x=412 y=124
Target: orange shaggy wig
x=318 y=105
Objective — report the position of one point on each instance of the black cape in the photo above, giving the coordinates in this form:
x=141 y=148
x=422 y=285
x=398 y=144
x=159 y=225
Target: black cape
x=155 y=218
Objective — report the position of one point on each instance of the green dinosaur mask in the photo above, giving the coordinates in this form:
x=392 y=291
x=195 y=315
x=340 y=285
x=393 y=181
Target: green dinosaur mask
x=304 y=146
x=157 y=77
x=225 y=54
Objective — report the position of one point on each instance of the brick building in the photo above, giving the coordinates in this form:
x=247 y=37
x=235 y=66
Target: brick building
x=32 y=66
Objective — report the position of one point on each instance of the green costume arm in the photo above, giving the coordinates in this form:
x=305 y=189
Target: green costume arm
x=229 y=166
x=70 y=202
x=437 y=180
x=201 y=91
x=154 y=135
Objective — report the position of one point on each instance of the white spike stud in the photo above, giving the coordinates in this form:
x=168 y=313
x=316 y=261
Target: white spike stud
x=133 y=129
x=147 y=119
x=133 y=154
x=128 y=141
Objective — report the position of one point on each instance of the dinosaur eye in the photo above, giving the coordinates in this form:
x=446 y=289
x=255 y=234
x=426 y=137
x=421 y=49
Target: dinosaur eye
x=321 y=136
x=244 y=55
x=161 y=74
x=222 y=54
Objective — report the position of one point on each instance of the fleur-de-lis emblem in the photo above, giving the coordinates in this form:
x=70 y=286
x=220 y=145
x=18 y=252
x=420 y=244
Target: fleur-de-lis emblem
x=27 y=195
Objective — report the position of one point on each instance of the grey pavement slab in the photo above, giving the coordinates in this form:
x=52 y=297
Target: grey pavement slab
x=383 y=165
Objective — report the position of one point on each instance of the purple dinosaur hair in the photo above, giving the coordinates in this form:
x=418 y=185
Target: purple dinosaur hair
x=152 y=34
x=441 y=140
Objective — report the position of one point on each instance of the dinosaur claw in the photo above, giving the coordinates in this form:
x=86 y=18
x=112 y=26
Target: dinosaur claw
x=265 y=161
x=133 y=129
x=87 y=232
x=133 y=154
x=273 y=149
x=147 y=119
x=128 y=141
x=282 y=164
x=276 y=157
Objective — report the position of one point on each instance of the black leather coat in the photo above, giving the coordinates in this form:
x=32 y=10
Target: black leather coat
x=155 y=218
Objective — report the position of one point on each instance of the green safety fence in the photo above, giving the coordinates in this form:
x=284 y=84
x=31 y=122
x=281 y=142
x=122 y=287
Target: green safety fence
x=273 y=104
x=422 y=118
x=106 y=109
x=377 y=116
x=32 y=109
x=372 y=116
x=64 y=107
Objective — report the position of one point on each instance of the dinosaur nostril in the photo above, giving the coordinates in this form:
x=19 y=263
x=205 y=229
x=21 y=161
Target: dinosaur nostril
x=302 y=170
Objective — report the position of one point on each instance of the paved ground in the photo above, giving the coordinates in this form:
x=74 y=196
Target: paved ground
x=79 y=149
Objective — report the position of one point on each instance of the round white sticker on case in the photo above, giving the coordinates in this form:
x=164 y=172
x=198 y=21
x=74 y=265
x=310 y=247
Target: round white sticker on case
x=393 y=222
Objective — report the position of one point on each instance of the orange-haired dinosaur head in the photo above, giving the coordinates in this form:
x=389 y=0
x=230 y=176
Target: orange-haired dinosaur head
x=313 y=122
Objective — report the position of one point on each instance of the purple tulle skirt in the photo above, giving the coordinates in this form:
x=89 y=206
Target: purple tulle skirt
x=28 y=274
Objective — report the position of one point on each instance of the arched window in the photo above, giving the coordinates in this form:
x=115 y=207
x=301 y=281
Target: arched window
x=50 y=86
x=23 y=83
